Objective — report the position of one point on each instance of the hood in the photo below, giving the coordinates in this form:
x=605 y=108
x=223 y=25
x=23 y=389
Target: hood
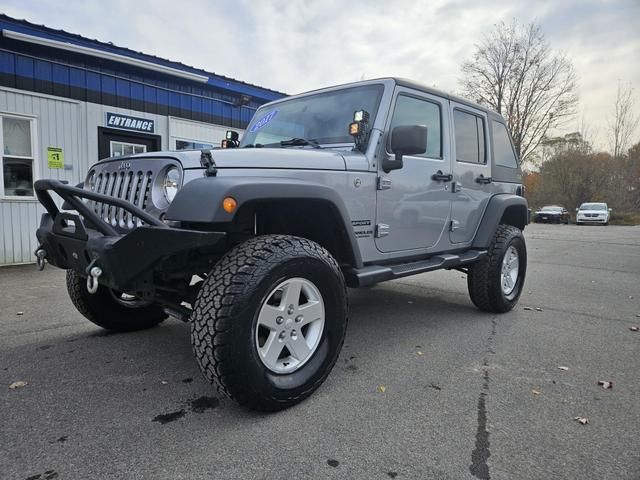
x=286 y=158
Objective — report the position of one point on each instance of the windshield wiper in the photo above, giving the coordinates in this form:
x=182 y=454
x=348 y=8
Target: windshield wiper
x=298 y=142
x=251 y=145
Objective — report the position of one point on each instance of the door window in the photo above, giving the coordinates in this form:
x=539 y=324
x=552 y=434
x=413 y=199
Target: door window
x=470 y=138
x=17 y=160
x=415 y=111
x=502 y=149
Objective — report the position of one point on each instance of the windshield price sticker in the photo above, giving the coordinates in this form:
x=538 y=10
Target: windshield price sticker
x=264 y=120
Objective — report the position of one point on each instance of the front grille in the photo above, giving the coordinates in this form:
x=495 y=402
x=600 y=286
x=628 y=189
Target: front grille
x=132 y=186
x=133 y=180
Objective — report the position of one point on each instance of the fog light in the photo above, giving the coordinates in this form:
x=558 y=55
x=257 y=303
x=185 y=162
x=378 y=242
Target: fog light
x=229 y=204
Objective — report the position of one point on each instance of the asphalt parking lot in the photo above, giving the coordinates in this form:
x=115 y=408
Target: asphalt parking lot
x=426 y=386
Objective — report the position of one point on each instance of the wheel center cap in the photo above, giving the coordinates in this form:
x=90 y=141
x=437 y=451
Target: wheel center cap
x=288 y=323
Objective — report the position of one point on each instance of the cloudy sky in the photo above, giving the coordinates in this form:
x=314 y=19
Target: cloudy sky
x=293 y=46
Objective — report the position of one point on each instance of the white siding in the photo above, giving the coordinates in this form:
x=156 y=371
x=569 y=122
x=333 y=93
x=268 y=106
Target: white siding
x=180 y=129
x=58 y=123
x=72 y=126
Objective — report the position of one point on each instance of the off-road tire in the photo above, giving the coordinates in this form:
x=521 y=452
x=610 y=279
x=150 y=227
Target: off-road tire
x=102 y=309
x=483 y=278
x=225 y=316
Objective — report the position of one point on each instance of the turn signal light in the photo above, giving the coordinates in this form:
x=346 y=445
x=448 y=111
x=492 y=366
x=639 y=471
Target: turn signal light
x=229 y=204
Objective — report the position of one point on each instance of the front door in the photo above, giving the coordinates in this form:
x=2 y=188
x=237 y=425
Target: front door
x=471 y=186
x=413 y=207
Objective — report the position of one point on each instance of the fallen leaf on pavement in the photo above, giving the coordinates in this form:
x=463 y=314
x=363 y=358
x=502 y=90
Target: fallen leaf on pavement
x=18 y=384
x=634 y=329
x=582 y=420
x=419 y=353
x=538 y=309
x=535 y=392
x=563 y=368
x=410 y=301
x=164 y=382
x=20 y=313
x=527 y=308
x=605 y=384
x=381 y=388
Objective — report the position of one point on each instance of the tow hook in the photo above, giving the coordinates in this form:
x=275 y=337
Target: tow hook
x=41 y=254
x=92 y=279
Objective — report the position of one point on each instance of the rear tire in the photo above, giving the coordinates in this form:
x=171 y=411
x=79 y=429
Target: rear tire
x=495 y=283
x=243 y=310
x=103 y=308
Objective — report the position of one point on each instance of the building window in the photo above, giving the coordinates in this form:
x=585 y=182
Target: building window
x=470 y=137
x=190 y=145
x=18 y=163
x=119 y=149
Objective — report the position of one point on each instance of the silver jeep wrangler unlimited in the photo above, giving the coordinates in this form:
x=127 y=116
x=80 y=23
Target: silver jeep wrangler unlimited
x=255 y=243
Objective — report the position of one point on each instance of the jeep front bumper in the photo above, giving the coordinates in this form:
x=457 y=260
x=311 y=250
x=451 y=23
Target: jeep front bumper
x=126 y=261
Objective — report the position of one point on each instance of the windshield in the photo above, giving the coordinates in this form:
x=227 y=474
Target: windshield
x=593 y=206
x=551 y=209
x=324 y=117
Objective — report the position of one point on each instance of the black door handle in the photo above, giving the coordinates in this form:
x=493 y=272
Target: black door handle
x=441 y=177
x=484 y=180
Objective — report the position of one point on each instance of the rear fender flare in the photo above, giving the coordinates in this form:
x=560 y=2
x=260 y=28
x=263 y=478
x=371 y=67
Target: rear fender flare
x=502 y=208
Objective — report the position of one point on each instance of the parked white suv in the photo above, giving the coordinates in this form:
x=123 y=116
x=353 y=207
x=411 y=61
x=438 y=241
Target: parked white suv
x=593 y=213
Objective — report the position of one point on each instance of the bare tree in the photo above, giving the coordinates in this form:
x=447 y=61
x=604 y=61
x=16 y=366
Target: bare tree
x=515 y=72
x=624 y=122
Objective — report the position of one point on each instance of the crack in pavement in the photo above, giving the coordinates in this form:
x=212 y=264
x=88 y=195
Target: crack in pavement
x=479 y=467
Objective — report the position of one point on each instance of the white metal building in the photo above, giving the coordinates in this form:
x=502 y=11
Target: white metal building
x=67 y=101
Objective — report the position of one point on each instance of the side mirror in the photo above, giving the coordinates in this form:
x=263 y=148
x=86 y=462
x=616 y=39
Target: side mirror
x=610 y=209
x=577 y=209
x=405 y=140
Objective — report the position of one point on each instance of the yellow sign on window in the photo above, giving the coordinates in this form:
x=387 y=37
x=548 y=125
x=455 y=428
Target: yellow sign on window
x=55 y=157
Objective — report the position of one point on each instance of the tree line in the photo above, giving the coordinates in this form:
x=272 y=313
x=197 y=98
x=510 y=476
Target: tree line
x=514 y=71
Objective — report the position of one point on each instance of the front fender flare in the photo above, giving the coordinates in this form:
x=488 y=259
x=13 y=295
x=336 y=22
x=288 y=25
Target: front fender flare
x=200 y=201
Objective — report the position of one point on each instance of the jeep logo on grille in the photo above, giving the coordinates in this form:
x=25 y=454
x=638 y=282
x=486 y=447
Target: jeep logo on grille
x=124 y=165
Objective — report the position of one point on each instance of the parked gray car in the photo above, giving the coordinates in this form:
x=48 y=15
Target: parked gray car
x=255 y=243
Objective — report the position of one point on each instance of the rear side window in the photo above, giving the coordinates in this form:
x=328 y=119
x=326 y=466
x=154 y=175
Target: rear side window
x=502 y=149
x=414 y=111
x=469 y=128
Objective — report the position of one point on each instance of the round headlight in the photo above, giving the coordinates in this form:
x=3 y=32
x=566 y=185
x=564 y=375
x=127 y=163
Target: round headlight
x=171 y=183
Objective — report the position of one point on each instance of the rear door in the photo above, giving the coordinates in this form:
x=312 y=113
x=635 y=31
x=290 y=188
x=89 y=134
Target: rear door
x=471 y=187
x=413 y=208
